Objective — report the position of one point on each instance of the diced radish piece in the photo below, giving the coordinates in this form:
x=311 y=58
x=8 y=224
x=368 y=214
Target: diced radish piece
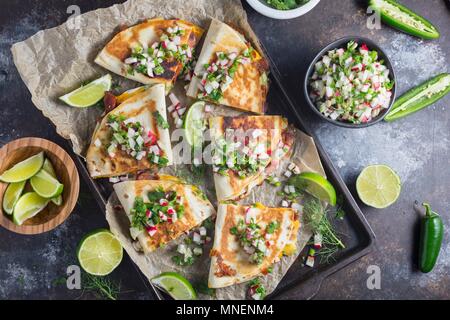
x=151 y=230
x=317 y=241
x=196 y=238
x=287 y=174
x=114 y=179
x=163 y=202
x=130 y=60
x=202 y=231
x=173 y=98
x=310 y=261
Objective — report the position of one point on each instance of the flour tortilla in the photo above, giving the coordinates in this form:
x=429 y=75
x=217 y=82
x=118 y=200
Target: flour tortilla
x=143 y=35
x=196 y=209
x=249 y=88
x=229 y=262
x=140 y=107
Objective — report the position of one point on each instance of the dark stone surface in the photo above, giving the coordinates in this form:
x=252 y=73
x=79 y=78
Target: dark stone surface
x=418 y=148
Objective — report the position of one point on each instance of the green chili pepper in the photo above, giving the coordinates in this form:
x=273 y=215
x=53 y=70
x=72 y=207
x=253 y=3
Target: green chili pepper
x=432 y=231
x=420 y=97
x=403 y=19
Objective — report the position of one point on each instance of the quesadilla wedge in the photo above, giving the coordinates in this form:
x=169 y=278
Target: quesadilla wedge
x=161 y=210
x=248 y=241
x=229 y=71
x=246 y=149
x=155 y=51
x=133 y=136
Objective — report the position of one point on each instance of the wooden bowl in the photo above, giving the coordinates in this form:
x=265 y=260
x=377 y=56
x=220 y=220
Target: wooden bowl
x=66 y=171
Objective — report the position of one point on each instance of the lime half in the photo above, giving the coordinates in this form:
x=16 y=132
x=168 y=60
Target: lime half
x=24 y=170
x=316 y=185
x=194 y=124
x=12 y=195
x=378 y=186
x=89 y=94
x=176 y=285
x=51 y=170
x=28 y=205
x=45 y=185
x=99 y=252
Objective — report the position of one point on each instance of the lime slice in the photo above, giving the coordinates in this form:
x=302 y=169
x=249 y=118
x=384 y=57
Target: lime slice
x=89 y=94
x=176 y=285
x=194 y=124
x=316 y=185
x=99 y=252
x=12 y=194
x=24 y=170
x=378 y=186
x=28 y=205
x=51 y=170
x=45 y=185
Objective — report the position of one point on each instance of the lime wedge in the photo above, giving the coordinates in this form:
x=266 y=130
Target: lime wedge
x=89 y=94
x=99 y=252
x=12 y=194
x=316 y=185
x=45 y=185
x=47 y=166
x=378 y=186
x=24 y=170
x=176 y=285
x=28 y=205
x=194 y=124
x=51 y=170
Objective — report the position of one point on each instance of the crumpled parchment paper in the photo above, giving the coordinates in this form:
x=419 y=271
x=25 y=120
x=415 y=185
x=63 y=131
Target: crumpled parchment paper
x=56 y=61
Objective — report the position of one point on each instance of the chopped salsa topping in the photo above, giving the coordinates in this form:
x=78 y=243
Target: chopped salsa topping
x=133 y=139
x=351 y=85
x=150 y=61
x=256 y=290
x=254 y=240
x=161 y=207
x=244 y=159
x=219 y=74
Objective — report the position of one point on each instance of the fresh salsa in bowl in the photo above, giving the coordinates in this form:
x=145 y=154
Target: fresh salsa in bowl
x=351 y=83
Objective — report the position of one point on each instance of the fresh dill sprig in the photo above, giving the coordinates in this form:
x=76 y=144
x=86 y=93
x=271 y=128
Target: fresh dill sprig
x=316 y=217
x=101 y=286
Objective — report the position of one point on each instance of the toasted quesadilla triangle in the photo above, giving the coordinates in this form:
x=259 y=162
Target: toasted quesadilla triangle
x=113 y=55
x=249 y=88
x=139 y=108
x=230 y=264
x=196 y=209
x=231 y=186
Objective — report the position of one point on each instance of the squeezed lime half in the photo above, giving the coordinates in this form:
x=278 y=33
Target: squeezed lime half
x=378 y=186
x=99 y=252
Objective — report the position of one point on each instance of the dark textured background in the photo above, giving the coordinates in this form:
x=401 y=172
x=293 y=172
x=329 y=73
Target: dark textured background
x=418 y=148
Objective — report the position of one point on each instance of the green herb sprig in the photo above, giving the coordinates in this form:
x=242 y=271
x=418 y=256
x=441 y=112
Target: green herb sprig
x=317 y=218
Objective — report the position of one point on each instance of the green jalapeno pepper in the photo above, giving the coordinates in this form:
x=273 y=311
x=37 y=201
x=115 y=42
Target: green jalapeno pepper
x=402 y=18
x=432 y=231
x=420 y=97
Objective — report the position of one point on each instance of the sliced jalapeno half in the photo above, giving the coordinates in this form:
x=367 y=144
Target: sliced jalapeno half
x=420 y=97
x=402 y=18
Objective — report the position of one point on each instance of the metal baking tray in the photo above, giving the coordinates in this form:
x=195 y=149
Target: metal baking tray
x=300 y=282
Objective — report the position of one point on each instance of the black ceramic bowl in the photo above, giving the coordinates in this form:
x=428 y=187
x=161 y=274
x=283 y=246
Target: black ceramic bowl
x=342 y=43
